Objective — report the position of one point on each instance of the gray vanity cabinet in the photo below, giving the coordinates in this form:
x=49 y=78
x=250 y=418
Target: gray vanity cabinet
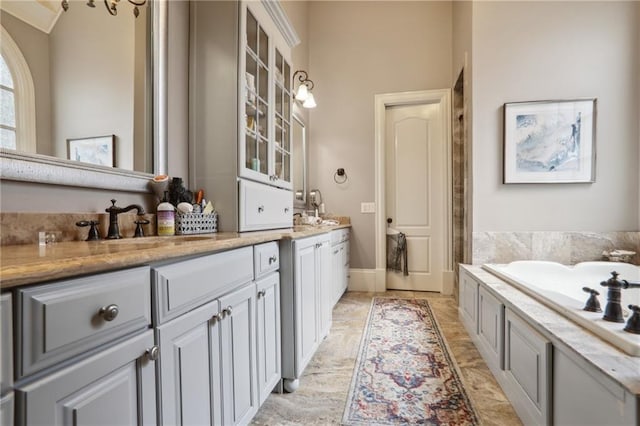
x=266 y=264
x=115 y=386
x=306 y=300
x=340 y=262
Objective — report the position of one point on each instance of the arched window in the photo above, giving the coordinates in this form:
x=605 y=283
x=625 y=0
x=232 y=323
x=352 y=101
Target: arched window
x=17 y=99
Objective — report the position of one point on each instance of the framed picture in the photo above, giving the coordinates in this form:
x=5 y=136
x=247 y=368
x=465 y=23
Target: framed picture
x=100 y=150
x=550 y=141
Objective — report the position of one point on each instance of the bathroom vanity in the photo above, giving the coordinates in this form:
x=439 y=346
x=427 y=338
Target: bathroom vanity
x=552 y=370
x=173 y=330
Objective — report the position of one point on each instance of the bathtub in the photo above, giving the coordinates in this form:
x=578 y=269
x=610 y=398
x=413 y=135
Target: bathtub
x=560 y=287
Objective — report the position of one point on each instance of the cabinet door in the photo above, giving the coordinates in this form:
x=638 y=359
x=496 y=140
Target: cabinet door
x=306 y=303
x=282 y=122
x=255 y=146
x=491 y=328
x=114 y=387
x=325 y=289
x=268 y=334
x=189 y=368
x=238 y=337
x=337 y=268
x=6 y=343
x=468 y=302
x=527 y=365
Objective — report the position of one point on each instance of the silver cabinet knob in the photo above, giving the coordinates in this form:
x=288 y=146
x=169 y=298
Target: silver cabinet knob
x=273 y=259
x=153 y=353
x=109 y=312
x=286 y=209
x=217 y=317
x=261 y=293
x=227 y=311
x=260 y=209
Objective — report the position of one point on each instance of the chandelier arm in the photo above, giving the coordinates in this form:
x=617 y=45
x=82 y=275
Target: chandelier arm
x=309 y=84
x=302 y=77
x=137 y=3
x=111 y=9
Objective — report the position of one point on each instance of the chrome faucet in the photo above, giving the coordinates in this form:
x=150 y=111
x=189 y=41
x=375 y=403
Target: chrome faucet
x=114 y=230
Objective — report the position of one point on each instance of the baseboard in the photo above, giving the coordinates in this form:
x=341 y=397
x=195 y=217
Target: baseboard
x=374 y=280
x=363 y=280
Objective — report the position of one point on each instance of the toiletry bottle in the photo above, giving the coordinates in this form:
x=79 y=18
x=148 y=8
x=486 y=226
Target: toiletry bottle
x=166 y=217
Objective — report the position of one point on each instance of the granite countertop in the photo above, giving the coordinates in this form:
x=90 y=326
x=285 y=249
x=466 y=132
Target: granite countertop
x=609 y=360
x=32 y=263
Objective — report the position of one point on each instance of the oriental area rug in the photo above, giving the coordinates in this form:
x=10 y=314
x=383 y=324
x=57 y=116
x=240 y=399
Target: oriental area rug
x=404 y=373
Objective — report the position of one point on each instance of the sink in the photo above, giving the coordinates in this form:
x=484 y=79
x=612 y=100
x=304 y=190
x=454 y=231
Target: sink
x=156 y=240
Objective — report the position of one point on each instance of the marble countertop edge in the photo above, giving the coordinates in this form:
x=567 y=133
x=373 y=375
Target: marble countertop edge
x=31 y=263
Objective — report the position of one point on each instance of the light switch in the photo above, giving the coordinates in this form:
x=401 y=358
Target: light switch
x=367 y=207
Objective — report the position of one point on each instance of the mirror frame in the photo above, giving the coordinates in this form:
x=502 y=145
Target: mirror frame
x=301 y=202
x=57 y=171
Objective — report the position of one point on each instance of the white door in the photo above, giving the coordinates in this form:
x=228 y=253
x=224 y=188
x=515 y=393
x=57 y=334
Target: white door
x=415 y=192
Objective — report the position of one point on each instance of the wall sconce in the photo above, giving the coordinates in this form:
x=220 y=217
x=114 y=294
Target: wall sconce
x=303 y=94
x=111 y=6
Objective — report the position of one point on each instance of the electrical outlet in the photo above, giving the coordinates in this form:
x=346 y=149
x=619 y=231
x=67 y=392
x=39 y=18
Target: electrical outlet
x=367 y=207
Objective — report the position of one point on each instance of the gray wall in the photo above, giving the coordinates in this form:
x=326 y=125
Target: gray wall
x=357 y=50
x=525 y=51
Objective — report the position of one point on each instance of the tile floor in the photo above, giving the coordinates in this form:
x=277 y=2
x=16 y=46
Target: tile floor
x=321 y=397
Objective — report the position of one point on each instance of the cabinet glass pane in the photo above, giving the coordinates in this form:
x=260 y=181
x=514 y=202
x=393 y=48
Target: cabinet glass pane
x=264 y=47
x=279 y=108
x=287 y=170
x=262 y=125
x=250 y=78
x=287 y=79
x=263 y=155
x=263 y=82
x=250 y=148
x=286 y=139
x=252 y=32
x=287 y=105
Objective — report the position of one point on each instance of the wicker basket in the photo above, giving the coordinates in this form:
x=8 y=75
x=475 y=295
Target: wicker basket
x=196 y=223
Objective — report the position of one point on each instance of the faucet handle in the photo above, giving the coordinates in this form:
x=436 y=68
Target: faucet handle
x=93 y=234
x=139 y=230
x=633 y=324
x=593 y=304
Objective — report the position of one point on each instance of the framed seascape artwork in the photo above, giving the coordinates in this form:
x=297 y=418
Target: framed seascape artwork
x=100 y=150
x=550 y=141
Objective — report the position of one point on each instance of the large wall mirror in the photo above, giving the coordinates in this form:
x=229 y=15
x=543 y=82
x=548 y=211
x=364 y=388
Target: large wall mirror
x=299 y=157
x=98 y=93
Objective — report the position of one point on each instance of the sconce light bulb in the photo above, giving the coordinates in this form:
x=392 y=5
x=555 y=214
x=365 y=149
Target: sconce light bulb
x=303 y=93
x=310 y=102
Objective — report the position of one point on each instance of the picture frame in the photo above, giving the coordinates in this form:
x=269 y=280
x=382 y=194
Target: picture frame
x=99 y=150
x=550 y=141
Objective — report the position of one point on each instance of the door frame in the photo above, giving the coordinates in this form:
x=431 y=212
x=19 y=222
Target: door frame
x=382 y=101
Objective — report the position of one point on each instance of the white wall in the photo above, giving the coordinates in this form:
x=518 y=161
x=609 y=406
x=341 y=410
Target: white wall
x=356 y=50
x=525 y=51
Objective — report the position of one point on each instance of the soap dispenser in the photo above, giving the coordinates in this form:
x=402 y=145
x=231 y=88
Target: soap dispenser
x=166 y=217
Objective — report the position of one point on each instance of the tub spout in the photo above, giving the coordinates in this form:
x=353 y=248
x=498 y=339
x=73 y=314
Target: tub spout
x=613 y=310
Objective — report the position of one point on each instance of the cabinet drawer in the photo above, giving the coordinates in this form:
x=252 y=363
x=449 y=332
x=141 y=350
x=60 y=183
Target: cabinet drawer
x=266 y=258
x=59 y=320
x=182 y=286
x=339 y=236
x=6 y=343
x=264 y=207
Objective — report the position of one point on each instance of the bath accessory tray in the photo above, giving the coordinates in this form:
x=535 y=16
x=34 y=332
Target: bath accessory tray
x=196 y=223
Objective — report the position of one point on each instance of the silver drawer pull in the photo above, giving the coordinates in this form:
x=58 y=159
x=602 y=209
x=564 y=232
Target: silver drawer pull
x=109 y=312
x=261 y=293
x=153 y=353
x=286 y=209
x=273 y=259
x=227 y=311
x=260 y=209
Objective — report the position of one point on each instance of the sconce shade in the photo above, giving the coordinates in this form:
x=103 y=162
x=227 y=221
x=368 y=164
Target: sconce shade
x=310 y=102
x=303 y=93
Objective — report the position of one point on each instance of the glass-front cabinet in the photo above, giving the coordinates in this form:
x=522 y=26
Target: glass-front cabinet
x=265 y=125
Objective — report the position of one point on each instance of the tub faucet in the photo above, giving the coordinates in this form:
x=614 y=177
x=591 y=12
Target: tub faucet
x=114 y=230
x=613 y=310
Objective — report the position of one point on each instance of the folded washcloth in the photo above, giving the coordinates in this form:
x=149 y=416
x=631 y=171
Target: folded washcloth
x=330 y=222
